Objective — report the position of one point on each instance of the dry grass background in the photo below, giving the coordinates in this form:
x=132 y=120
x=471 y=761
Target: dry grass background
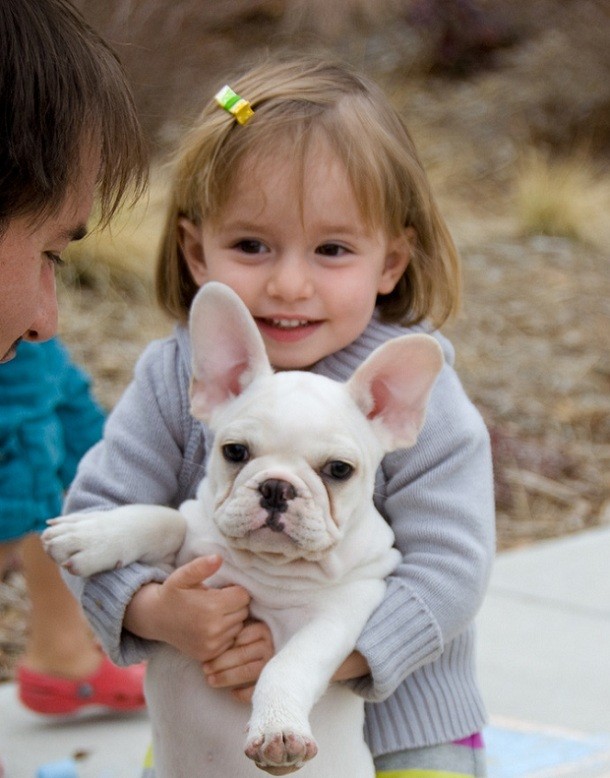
x=509 y=104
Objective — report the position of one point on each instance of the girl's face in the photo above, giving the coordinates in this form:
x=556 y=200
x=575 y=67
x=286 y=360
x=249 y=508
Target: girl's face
x=303 y=262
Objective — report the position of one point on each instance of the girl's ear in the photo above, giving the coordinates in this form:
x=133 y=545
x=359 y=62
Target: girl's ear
x=189 y=238
x=397 y=259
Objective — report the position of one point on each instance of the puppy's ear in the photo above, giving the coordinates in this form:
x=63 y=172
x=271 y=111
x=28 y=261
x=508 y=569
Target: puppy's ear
x=228 y=352
x=392 y=387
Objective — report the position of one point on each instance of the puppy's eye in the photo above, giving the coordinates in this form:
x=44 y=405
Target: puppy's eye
x=235 y=452
x=338 y=470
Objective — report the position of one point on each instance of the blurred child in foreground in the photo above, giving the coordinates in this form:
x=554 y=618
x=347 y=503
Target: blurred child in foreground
x=48 y=420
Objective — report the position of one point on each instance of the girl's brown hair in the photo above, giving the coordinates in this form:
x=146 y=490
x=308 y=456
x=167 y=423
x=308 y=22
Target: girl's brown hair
x=61 y=87
x=295 y=102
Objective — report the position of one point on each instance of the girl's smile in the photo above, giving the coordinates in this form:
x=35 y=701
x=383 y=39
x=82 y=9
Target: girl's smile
x=286 y=330
x=298 y=253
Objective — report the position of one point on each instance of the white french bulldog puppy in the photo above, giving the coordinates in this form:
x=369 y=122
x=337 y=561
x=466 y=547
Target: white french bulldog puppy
x=287 y=501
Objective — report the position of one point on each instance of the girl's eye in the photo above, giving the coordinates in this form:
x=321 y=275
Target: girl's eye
x=251 y=246
x=235 y=452
x=331 y=250
x=55 y=258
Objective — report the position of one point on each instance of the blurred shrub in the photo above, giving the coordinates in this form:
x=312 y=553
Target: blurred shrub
x=563 y=196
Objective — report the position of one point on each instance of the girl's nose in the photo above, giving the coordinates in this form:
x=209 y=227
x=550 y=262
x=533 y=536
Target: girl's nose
x=290 y=279
x=44 y=325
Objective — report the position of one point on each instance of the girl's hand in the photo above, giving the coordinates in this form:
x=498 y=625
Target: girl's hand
x=240 y=666
x=200 y=622
x=355 y=666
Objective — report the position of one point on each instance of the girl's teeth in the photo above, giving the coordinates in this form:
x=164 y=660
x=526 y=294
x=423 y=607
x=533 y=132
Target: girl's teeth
x=288 y=324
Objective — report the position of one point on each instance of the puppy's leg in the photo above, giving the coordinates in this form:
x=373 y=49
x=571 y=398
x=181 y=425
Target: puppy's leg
x=88 y=543
x=279 y=736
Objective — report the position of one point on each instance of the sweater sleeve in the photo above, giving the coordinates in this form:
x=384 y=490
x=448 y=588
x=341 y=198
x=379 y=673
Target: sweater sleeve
x=139 y=460
x=438 y=498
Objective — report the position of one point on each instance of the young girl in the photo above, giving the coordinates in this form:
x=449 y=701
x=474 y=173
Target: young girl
x=316 y=210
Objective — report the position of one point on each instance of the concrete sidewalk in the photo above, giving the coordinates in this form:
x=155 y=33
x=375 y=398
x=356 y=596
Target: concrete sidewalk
x=544 y=665
x=544 y=659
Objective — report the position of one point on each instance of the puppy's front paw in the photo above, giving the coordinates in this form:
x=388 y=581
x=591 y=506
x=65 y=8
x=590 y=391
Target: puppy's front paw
x=281 y=752
x=78 y=543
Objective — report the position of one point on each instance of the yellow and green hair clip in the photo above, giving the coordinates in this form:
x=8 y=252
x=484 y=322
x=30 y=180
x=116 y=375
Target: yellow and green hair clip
x=234 y=104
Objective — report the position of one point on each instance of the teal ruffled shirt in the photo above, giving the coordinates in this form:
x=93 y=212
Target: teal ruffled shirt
x=48 y=420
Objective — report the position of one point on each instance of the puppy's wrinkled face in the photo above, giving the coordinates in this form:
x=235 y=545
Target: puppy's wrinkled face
x=293 y=464
x=293 y=461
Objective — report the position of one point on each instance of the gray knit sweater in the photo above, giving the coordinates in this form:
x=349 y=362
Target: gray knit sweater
x=437 y=496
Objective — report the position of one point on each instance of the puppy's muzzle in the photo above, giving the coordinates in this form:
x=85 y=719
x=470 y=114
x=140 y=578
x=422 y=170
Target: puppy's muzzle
x=275 y=496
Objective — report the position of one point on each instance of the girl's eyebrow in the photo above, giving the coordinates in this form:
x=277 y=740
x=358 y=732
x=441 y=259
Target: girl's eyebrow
x=341 y=228
x=338 y=229
x=243 y=225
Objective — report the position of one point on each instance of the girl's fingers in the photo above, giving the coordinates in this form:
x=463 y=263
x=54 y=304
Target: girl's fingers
x=230 y=600
x=234 y=657
x=244 y=694
x=238 y=676
x=241 y=665
x=225 y=644
x=253 y=644
x=253 y=632
x=236 y=619
x=195 y=572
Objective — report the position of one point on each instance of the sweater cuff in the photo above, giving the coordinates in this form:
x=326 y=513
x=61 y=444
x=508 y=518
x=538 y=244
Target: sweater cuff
x=104 y=600
x=400 y=636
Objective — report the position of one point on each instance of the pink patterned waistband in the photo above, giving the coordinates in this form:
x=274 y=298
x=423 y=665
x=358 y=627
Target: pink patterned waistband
x=474 y=741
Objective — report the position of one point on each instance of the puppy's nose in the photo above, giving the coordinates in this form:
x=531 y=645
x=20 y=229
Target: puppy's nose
x=275 y=494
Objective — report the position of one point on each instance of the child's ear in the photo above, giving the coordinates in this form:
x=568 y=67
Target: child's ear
x=397 y=259
x=189 y=238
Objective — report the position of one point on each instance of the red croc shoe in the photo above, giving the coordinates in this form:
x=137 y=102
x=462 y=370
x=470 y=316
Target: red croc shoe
x=112 y=687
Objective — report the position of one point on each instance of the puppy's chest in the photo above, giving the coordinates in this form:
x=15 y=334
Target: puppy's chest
x=285 y=611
